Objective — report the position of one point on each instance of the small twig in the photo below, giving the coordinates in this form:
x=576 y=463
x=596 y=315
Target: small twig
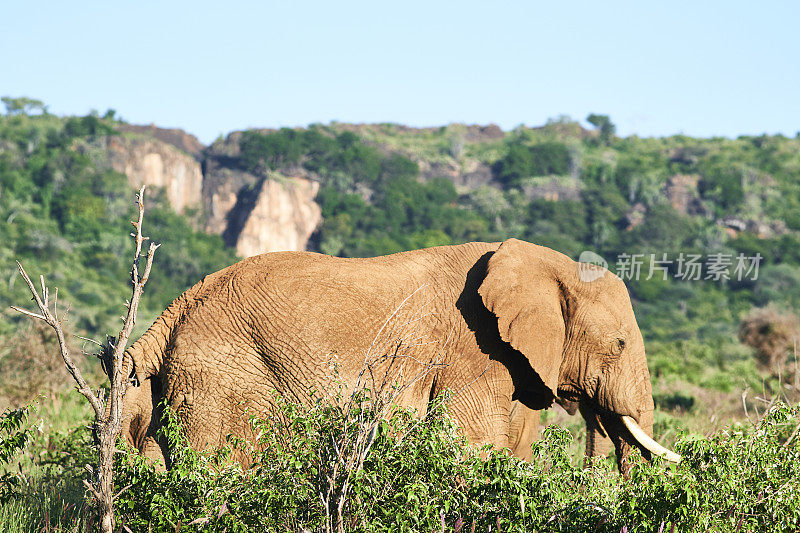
x=89 y=340
x=123 y=489
x=29 y=313
x=48 y=318
x=91 y=489
x=744 y=403
x=792 y=436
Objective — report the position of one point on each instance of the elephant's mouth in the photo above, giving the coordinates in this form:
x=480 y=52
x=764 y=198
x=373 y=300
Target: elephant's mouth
x=630 y=428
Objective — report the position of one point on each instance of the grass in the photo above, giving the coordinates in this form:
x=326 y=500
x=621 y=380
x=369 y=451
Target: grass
x=47 y=505
x=50 y=495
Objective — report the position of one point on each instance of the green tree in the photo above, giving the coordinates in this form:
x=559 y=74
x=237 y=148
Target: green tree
x=23 y=105
x=516 y=165
x=549 y=158
x=722 y=183
x=604 y=125
x=272 y=151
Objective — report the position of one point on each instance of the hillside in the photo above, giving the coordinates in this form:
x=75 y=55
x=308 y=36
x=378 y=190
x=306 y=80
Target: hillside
x=702 y=230
x=358 y=190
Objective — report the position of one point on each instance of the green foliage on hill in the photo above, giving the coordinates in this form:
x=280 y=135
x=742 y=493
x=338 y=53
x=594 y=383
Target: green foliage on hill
x=541 y=159
x=67 y=217
x=372 y=203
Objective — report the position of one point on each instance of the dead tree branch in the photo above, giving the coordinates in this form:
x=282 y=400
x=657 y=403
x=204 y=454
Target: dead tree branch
x=108 y=414
x=53 y=321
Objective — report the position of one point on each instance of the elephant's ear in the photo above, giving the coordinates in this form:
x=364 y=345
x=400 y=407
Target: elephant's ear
x=521 y=290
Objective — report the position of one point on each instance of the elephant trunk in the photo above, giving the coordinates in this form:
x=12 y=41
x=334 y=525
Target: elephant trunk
x=625 y=442
x=605 y=428
x=598 y=444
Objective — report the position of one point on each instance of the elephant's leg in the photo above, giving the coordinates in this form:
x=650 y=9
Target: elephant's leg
x=482 y=406
x=523 y=430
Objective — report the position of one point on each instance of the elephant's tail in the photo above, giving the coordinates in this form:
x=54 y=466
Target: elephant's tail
x=146 y=355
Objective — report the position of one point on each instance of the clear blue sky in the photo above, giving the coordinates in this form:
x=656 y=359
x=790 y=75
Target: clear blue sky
x=701 y=68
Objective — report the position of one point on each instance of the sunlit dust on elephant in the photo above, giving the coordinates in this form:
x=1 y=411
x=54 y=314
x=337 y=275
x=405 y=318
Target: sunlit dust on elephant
x=509 y=327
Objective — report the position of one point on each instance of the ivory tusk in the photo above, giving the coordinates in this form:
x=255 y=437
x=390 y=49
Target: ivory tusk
x=651 y=445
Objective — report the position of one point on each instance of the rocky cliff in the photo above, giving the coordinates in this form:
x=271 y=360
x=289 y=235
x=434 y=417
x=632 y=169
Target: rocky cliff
x=254 y=214
x=283 y=216
x=257 y=214
x=185 y=142
x=148 y=161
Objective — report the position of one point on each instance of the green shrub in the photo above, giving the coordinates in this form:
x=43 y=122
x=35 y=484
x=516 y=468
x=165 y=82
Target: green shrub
x=48 y=493
x=15 y=434
x=522 y=161
x=421 y=475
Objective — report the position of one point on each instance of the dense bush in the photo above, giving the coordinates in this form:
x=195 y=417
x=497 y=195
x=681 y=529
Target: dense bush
x=40 y=475
x=523 y=161
x=773 y=334
x=422 y=476
x=15 y=434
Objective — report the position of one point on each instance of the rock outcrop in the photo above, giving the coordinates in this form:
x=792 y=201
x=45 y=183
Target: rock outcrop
x=185 y=142
x=681 y=192
x=148 y=161
x=554 y=189
x=254 y=214
x=471 y=174
x=257 y=214
x=283 y=216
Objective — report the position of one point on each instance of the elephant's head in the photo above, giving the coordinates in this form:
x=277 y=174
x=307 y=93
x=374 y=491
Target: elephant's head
x=580 y=337
x=141 y=420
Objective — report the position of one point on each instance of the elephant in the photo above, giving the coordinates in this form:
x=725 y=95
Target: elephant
x=509 y=328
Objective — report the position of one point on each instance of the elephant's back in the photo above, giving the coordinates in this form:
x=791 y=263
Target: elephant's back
x=303 y=272
x=300 y=307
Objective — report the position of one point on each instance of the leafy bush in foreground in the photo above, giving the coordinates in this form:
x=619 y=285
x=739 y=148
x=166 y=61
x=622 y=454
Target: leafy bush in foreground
x=15 y=434
x=422 y=476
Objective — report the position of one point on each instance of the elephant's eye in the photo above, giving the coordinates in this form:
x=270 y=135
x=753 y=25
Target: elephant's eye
x=619 y=345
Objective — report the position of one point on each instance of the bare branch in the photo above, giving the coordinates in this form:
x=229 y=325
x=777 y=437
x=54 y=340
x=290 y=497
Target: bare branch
x=29 y=313
x=50 y=319
x=92 y=490
x=792 y=436
x=122 y=490
x=89 y=340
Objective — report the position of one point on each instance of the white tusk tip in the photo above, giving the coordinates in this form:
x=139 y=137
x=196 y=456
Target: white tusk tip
x=648 y=443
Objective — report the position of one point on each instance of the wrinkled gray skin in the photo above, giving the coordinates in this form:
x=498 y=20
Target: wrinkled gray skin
x=510 y=327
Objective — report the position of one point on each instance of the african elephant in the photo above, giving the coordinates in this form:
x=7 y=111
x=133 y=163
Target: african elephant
x=509 y=327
